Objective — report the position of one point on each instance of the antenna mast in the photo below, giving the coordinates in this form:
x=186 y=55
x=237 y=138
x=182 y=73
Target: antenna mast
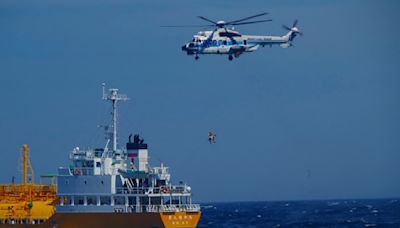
x=114 y=97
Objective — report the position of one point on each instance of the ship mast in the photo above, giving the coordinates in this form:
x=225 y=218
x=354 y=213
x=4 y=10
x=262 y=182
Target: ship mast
x=27 y=170
x=114 y=97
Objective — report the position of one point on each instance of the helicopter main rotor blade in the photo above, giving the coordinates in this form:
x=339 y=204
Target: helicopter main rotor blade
x=206 y=19
x=247 y=18
x=250 y=22
x=286 y=27
x=212 y=34
x=295 y=23
x=186 y=26
x=209 y=38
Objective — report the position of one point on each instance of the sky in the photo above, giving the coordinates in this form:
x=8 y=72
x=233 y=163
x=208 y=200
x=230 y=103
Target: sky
x=319 y=120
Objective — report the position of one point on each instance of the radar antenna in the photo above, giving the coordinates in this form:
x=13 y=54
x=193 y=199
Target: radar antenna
x=114 y=97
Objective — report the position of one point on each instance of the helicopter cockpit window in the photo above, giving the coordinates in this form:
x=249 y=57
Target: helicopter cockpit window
x=196 y=40
x=229 y=34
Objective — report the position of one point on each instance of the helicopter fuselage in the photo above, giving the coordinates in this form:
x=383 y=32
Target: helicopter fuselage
x=230 y=42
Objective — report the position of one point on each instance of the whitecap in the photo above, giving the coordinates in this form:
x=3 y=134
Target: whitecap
x=333 y=203
x=363 y=220
x=374 y=211
x=258 y=216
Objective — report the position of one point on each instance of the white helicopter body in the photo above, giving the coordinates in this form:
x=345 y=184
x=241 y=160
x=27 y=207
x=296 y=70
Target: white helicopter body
x=231 y=42
x=222 y=40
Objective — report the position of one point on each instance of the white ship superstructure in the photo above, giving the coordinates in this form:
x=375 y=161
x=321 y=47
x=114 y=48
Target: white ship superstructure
x=115 y=180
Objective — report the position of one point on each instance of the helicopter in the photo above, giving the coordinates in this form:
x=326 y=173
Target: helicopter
x=228 y=41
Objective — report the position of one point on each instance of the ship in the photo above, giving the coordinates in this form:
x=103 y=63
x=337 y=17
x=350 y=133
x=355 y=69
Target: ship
x=113 y=186
x=27 y=203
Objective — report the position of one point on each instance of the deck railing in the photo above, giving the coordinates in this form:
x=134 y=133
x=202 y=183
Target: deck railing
x=133 y=208
x=173 y=208
x=154 y=190
x=16 y=192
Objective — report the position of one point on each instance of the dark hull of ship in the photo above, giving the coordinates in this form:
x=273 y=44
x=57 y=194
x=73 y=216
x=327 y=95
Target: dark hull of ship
x=105 y=220
x=114 y=220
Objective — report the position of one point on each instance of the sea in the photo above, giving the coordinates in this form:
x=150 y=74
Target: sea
x=315 y=213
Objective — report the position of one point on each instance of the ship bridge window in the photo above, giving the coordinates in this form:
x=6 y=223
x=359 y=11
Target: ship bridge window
x=67 y=200
x=160 y=182
x=98 y=152
x=89 y=164
x=119 y=200
x=105 y=200
x=131 y=200
x=98 y=164
x=91 y=200
x=78 y=200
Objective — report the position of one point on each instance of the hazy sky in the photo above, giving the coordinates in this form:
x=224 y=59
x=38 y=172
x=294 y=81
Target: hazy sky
x=320 y=120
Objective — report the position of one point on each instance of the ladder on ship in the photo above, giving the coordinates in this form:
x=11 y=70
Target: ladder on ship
x=129 y=184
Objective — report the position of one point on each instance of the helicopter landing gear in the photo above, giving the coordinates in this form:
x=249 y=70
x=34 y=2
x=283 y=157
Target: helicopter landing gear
x=196 y=57
x=230 y=57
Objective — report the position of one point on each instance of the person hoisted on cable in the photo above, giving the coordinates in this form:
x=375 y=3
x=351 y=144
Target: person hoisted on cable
x=212 y=137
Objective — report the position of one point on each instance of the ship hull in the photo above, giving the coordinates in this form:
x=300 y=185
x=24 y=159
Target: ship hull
x=105 y=220
x=99 y=220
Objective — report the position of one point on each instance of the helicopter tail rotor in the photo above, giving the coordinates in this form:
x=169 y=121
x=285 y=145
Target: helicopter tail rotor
x=294 y=29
